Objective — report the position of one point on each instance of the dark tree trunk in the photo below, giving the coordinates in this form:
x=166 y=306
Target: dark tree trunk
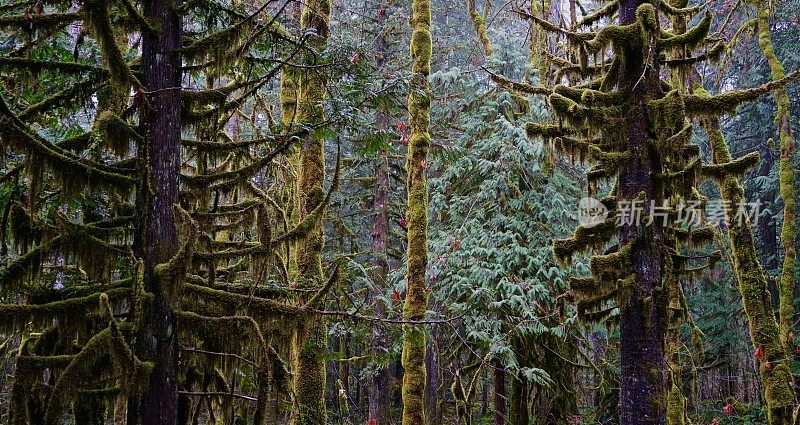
x=379 y=344
x=499 y=394
x=642 y=326
x=519 y=402
x=432 y=384
x=379 y=386
x=157 y=236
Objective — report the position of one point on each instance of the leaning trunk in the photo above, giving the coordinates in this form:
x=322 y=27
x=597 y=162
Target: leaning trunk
x=775 y=372
x=786 y=177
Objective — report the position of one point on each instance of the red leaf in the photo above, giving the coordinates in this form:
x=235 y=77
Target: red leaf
x=293 y=284
x=797 y=350
x=404 y=138
x=401 y=126
x=39 y=7
x=767 y=364
x=759 y=353
x=728 y=409
x=355 y=58
x=456 y=245
x=373 y=421
x=791 y=336
x=403 y=223
x=395 y=295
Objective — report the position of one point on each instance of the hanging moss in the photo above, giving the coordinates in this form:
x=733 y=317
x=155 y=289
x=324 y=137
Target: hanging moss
x=734 y=168
x=584 y=238
x=116 y=131
x=620 y=37
x=726 y=103
x=264 y=307
x=41 y=313
x=518 y=87
x=544 y=131
x=612 y=266
x=606 y=11
x=41 y=22
x=36 y=66
x=98 y=22
x=228 y=179
x=173 y=273
x=689 y=39
x=576 y=37
x=74 y=94
x=582 y=116
x=786 y=173
x=92 y=354
x=26 y=266
x=712 y=54
x=14 y=133
x=228 y=328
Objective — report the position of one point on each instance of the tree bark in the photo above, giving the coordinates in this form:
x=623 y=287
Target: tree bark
x=499 y=394
x=157 y=236
x=311 y=337
x=642 y=325
x=416 y=301
x=764 y=330
x=379 y=344
x=519 y=401
x=786 y=177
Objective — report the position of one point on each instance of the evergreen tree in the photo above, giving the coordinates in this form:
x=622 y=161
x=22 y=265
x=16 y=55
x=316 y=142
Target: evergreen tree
x=635 y=126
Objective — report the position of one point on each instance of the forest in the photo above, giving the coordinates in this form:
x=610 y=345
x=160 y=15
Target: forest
x=417 y=212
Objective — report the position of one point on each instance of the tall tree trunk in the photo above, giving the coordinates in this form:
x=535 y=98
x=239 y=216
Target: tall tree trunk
x=311 y=338
x=642 y=325
x=786 y=176
x=379 y=344
x=764 y=331
x=157 y=236
x=416 y=302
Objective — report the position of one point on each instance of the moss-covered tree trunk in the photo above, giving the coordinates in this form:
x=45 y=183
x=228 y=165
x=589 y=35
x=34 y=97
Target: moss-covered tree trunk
x=786 y=174
x=416 y=302
x=157 y=235
x=676 y=314
x=774 y=370
x=310 y=340
x=643 y=320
